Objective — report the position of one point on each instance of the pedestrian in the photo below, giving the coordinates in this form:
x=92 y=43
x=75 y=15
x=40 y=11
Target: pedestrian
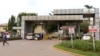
x=5 y=39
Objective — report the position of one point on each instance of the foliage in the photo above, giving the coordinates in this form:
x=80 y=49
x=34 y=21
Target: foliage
x=88 y=6
x=23 y=14
x=33 y=27
x=11 y=23
x=12 y=38
x=77 y=52
x=84 y=26
x=15 y=38
x=82 y=45
x=51 y=27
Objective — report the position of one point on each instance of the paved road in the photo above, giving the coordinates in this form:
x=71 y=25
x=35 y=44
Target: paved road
x=31 y=48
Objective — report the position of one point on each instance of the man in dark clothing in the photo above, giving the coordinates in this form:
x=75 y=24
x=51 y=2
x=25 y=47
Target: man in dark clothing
x=5 y=39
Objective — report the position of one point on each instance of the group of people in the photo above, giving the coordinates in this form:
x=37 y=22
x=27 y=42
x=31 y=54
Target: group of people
x=4 y=39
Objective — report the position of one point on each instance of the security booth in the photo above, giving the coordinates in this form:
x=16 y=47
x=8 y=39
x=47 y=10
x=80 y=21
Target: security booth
x=60 y=17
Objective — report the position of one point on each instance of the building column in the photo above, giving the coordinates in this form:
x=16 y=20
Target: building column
x=22 y=29
x=78 y=28
x=58 y=27
x=97 y=24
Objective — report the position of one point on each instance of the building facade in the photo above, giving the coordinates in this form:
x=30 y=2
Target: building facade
x=75 y=16
x=3 y=27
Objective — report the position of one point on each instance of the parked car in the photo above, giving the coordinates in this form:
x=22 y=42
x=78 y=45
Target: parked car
x=86 y=37
x=29 y=36
x=35 y=36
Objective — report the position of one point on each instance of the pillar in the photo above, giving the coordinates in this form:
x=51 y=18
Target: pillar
x=79 y=28
x=97 y=23
x=58 y=27
x=22 y=29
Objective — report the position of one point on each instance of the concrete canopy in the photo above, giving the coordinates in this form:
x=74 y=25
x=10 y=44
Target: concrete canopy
x=52 y=18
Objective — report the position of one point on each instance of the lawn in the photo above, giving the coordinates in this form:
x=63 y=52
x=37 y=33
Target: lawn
x=86 y=52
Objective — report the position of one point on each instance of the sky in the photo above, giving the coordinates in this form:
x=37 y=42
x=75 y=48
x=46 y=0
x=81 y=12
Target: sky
x=41 y=7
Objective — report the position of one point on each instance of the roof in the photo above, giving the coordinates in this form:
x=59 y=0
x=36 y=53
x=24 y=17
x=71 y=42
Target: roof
x=73 y=11
x=50 y=18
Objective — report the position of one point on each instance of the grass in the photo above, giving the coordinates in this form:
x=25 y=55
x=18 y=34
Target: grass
x=83 y=53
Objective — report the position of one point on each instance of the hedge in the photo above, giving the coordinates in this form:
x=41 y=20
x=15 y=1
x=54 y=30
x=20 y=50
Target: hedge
x=81 y=45
x=12 y=38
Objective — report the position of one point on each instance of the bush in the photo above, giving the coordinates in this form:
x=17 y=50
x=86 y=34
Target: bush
x=81 y=45
x=15 y=38
x=12 y=38
x=97 y=45
x=65 y=44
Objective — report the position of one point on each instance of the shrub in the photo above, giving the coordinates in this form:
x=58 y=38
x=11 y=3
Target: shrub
x=97 y=45
x=12 y=38
x=66 y=44
x=81 y=45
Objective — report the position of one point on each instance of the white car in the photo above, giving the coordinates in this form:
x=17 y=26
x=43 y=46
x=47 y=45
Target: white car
x=86 y=37
x=29 y=36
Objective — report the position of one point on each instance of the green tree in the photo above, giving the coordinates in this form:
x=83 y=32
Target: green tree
x=84 y=26
x=19 y=17
x=88 y=6
x=51 y=27
x=11 y=23
x=33 y=27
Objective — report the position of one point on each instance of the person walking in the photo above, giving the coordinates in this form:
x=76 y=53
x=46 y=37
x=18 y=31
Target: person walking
x=5 y=39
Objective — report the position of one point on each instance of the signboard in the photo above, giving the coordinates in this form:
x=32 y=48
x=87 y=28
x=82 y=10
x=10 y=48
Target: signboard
x=71 y=30
x=92 y=29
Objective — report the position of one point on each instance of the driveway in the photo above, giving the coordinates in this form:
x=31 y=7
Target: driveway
x=31 y=48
